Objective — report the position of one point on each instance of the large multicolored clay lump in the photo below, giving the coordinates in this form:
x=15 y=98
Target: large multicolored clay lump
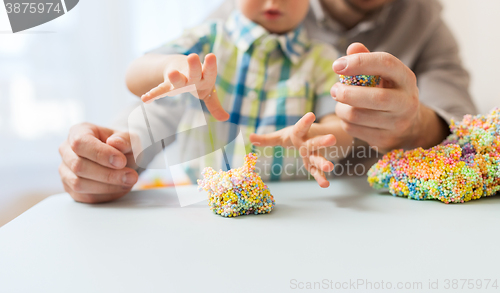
x=238 y=191
x=463 y=167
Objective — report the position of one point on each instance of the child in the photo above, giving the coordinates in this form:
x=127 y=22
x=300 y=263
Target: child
x=266 y=76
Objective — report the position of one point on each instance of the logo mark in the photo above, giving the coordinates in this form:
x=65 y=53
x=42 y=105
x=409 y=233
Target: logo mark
x=25 y=14
x=180 y=117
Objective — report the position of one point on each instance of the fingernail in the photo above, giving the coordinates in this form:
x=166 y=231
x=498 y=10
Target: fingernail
x=128 y=179
x=333 y=92
x=116 y=161
x=339 y=64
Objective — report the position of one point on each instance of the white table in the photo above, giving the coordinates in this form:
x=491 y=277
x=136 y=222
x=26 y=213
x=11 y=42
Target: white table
x=340 y=236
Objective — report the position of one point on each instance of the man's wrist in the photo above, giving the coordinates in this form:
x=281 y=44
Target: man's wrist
x=432 y=129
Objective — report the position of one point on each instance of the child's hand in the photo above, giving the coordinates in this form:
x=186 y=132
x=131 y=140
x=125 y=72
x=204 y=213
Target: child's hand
x=301 y=137
x=188 y=71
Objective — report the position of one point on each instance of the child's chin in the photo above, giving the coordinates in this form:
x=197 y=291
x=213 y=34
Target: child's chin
x=275 y=28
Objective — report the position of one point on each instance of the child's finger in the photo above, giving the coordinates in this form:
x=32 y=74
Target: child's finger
x=177 y=79
x=321 y=163
x=301 y=128
x=158 y=92
x=320 y=142
x=214 y=107
x=194 y=66
x=210 y=69
x=319 y=176
x=269 y=139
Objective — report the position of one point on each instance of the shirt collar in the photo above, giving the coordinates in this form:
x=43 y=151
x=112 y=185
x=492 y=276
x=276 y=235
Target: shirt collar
x=376 y=19
x=244 y=33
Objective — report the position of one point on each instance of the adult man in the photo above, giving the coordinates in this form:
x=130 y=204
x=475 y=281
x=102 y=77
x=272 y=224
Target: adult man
x=419 y=51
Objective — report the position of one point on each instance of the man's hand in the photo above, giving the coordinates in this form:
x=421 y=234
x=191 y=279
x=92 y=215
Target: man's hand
x=309 y=145
x=391 y=115
x=96 y=164
x=188 y=70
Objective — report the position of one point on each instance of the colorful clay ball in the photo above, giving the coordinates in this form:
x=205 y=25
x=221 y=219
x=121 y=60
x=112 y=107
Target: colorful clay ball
x=463 y=167
x=360 y=80
x=238 y=191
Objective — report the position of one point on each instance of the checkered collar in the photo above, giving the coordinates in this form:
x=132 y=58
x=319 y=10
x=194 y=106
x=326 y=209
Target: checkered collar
x=245 y=33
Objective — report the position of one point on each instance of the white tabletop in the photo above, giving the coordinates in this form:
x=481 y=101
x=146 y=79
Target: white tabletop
x=345 y=235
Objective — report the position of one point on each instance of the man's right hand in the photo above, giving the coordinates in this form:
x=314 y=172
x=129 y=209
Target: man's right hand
x=96 y=164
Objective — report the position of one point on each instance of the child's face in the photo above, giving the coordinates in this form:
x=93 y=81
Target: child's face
x=277 y=16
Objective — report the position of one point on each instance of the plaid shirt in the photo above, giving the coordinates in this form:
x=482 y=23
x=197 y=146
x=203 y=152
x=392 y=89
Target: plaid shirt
x=265 y=82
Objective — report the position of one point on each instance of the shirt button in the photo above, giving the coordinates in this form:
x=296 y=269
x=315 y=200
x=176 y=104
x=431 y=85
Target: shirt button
x=252 y=95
